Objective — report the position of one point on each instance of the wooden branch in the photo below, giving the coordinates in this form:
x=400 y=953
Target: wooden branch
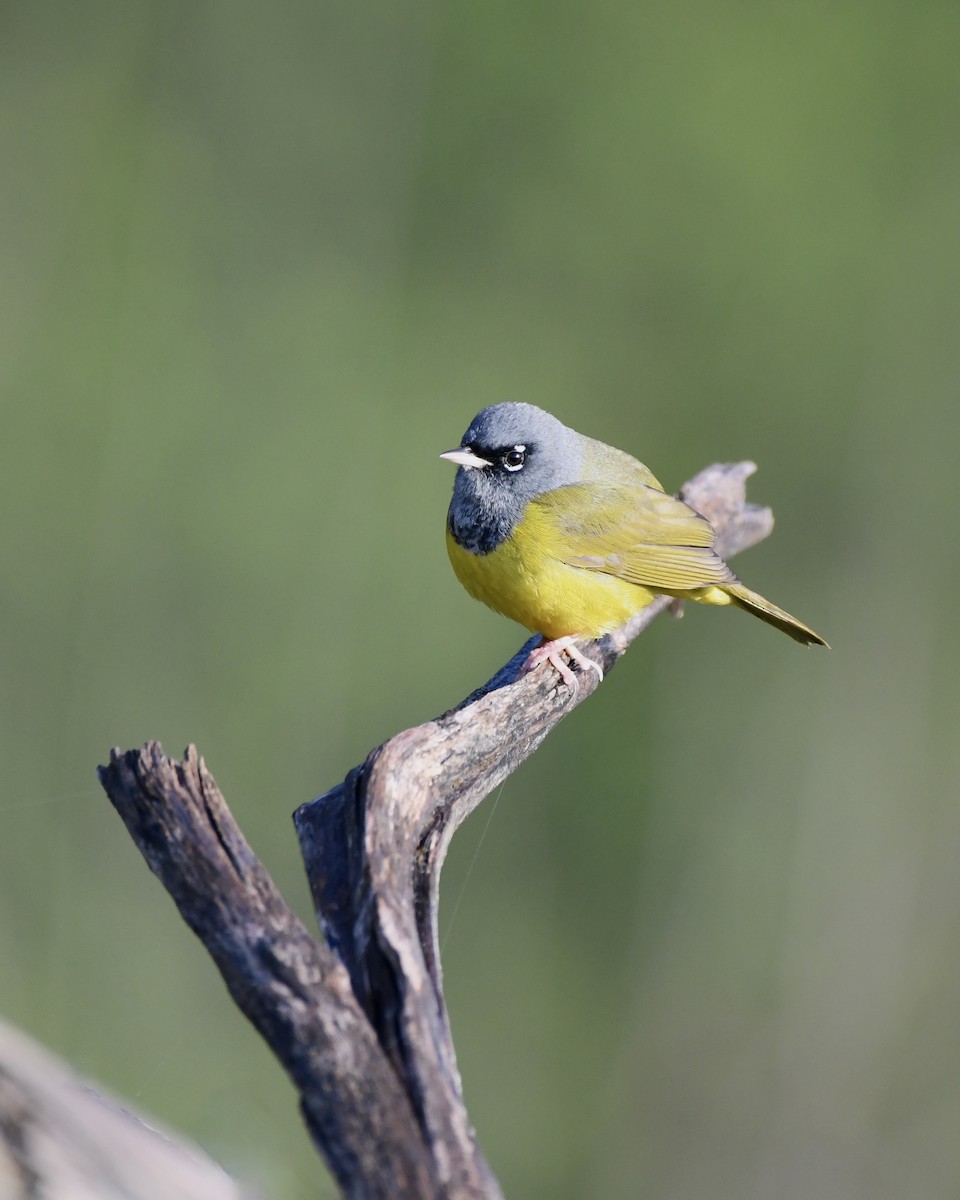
x=292 y=987
x=359 y=1021
x=59 y=1139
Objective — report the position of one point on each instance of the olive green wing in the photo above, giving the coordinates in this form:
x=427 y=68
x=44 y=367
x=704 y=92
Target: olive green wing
x=638 y=534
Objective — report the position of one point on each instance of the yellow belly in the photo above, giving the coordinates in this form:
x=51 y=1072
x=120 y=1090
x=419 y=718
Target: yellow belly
x=522 y=581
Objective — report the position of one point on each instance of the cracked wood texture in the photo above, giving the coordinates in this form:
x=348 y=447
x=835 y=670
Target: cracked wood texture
x=358 y=1019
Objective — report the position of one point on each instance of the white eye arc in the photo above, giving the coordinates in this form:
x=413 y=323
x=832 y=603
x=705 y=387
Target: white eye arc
x=513 y=459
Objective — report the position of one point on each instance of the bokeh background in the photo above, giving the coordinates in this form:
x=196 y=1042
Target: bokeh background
x=260 y=265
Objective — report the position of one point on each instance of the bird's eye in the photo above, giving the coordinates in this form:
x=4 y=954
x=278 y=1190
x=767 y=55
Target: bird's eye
x=513 y=459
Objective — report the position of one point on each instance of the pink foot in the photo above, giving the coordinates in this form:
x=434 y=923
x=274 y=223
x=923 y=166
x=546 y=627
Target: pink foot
x=550 y=652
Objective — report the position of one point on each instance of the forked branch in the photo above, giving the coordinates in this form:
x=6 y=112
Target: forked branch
x=358 y=1019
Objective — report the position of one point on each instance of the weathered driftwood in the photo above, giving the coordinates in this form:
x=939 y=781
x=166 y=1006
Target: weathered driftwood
x=358 y=1019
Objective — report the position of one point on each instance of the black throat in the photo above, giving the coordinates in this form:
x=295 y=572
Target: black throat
x=481 y=515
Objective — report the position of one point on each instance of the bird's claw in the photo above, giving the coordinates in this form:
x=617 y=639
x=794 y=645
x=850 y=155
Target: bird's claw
x=551 y=652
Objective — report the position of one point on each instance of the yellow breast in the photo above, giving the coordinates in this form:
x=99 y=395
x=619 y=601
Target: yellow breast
x=522 y=580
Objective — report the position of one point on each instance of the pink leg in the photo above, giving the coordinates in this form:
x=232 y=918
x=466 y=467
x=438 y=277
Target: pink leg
x=551 y=651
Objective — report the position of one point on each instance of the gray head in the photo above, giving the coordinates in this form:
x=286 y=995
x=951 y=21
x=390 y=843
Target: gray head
x=510 y=454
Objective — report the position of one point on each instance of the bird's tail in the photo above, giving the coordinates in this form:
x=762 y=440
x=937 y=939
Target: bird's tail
x=743 y=597
x=736 y=593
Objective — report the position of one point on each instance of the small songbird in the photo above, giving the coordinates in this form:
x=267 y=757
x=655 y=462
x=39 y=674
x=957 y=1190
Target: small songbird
x=572 y=538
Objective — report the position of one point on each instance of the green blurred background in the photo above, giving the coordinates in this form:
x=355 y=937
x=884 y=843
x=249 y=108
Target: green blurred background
x=260 y=265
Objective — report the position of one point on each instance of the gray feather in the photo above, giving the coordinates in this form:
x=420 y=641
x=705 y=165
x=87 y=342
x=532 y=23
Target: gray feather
x=488 y=502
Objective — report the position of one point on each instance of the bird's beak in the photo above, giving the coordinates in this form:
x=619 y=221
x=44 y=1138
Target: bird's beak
x=465 y=458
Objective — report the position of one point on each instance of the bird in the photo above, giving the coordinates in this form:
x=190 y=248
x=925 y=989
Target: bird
x=571 y=538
